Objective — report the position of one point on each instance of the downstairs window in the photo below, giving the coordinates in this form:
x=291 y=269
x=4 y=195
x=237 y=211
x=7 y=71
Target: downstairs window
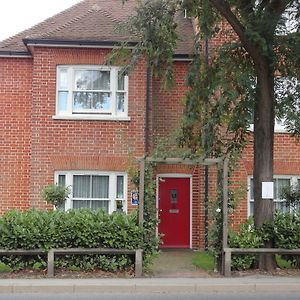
x=94 y=190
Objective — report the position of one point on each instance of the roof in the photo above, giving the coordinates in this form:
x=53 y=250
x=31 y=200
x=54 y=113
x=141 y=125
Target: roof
x=90 y=22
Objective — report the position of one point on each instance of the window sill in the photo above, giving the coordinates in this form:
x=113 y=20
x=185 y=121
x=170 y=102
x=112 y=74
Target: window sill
x=90 y=118
x=277 y=129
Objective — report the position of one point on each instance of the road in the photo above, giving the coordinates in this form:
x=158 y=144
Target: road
x=154 y=296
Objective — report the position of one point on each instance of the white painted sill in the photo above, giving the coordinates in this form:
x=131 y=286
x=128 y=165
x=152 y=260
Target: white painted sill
x=90 y=118
x=277 y=129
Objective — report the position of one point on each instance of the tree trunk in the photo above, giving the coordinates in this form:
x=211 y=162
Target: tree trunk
x=263 y=154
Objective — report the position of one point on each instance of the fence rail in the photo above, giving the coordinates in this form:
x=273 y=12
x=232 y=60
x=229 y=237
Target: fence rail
x=138 y=253
x=229 y=251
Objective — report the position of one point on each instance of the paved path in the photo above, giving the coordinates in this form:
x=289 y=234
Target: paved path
x=176 y=263
x=152 y=285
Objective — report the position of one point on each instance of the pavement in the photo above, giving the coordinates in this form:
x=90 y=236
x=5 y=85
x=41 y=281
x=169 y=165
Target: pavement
x=151 y=285
x=172 y=272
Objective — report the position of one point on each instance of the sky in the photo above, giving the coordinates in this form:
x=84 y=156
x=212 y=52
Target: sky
x=18 y=15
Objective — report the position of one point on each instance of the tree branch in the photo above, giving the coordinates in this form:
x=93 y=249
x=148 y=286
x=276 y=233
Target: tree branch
x=277 y=6
x=246 y=8
x=224 y=9
x=263 y=4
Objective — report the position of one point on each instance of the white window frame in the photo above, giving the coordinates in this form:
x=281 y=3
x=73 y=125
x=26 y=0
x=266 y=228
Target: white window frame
x=113 y=114
x=112 y=198
x=293 y=182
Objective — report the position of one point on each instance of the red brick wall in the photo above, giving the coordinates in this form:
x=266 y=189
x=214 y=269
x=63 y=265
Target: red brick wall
x=168 y=108
x=168 y=104
x=34 y=145
x=15 y=99
x=79 y=144
x=286 y=162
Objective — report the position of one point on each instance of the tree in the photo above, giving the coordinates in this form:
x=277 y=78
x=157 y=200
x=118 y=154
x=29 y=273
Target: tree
x=241 y=77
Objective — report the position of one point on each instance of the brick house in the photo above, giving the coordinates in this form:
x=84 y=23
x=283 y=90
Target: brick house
x=70 y=119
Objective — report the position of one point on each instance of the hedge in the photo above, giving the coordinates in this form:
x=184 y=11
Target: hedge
x=76 y=228
x=284 y=230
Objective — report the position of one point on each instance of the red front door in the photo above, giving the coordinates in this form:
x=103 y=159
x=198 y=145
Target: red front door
x=174 y=212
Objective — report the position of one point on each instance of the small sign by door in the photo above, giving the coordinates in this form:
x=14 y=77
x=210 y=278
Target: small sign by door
x=134 y=198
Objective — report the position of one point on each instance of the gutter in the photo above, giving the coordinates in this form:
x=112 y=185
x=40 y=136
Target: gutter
x=75 y=43
x=91 y=44
x=15 y=54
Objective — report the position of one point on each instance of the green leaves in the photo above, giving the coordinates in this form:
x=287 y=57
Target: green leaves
x=55 y=194
x=284 y=230
x=247 y=237
x=77 y=228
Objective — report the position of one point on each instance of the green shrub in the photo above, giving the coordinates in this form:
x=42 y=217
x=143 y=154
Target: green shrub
x=76 y=228
x=285 y=231
x=55 y=194
x=247 y=237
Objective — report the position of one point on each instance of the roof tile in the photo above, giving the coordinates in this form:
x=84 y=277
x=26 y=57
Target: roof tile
x=92 y=20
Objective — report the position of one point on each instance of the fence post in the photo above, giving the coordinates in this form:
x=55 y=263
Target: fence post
x=138 y=263
x=51 y=263
x=227 y=263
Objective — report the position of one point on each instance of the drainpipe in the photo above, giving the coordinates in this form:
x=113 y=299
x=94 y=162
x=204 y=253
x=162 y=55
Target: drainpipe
x=206 y=208
x=206 y=175
x=147 y=118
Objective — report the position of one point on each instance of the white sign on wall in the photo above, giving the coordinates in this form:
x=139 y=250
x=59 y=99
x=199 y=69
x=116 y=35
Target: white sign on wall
x=267 y=190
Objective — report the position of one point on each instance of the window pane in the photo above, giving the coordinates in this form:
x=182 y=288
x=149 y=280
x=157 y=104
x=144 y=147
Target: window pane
x=120 y=102
x=62 y=101
x=81 y=186
x=97 y=204
x=94 y=205
x=281 y=206
x=278 y=185
x=81 y=204
x=63 y=79
x=251 y=189
x=121 y=82
x=120 y=187
x=100 y=187
x=62 y=180
x=251 y=208
x=99 y=101
x=92 y=80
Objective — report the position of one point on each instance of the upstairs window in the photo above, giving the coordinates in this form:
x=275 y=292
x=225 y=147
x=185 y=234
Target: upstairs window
x=91 y=92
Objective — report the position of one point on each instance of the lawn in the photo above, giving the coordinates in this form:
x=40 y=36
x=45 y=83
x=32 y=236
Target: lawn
x=204 y=261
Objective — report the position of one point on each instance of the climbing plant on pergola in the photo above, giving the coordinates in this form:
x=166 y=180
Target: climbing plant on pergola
x=223 y=165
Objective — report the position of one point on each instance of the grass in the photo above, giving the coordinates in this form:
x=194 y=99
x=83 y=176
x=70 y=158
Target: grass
x=283 y=264
x=204 y=261
x=5 y=268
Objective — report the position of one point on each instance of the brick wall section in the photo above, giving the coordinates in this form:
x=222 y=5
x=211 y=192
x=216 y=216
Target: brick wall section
x=33 y=145
x=168 y=104
x=286 y=162
x=76 y=144
x=168 y=107
x=15 y=99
